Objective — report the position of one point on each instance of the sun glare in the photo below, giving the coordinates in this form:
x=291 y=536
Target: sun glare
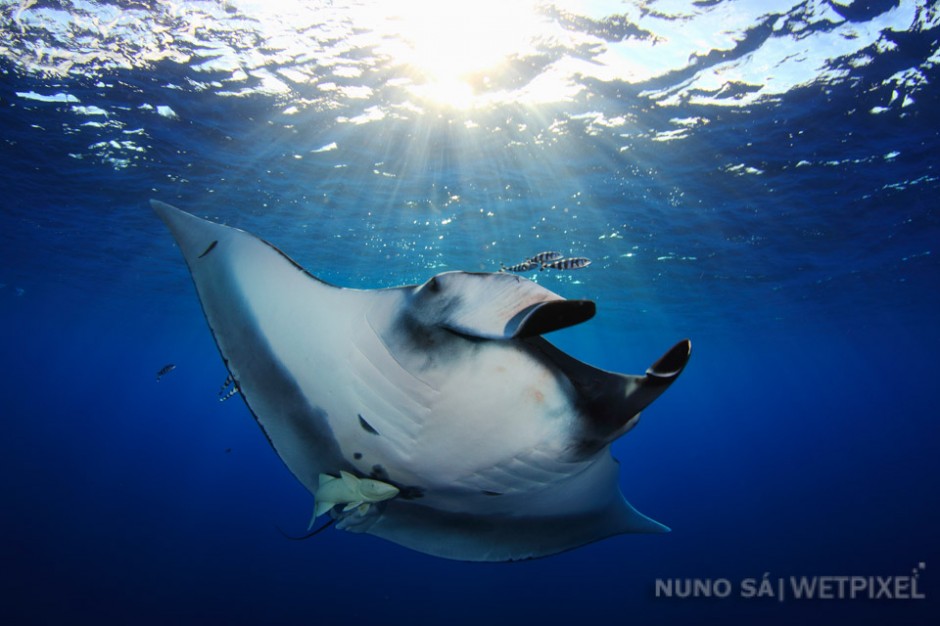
x=453 y=48
x=451 y=53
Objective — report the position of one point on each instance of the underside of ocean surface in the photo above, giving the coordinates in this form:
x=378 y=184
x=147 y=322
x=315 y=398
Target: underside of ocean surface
x=761 y=177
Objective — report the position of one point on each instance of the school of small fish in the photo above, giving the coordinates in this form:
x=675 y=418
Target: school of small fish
x=548 y=259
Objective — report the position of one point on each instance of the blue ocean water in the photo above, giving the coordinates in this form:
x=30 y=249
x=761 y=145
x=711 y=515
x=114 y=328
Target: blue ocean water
x=761 y=177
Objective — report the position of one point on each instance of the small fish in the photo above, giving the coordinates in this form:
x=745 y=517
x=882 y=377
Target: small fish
x=525 y=266
x=546 y=257
x=573 y=263
x=532 y=262
x=229 y=382
x=166 y=369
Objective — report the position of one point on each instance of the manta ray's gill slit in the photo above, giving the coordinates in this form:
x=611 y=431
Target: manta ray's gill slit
x=366 y=426
x=209 y=249
x=534 y=469
x=375 y=335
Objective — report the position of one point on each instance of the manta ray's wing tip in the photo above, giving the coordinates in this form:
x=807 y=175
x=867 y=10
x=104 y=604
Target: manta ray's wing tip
x=661 y=528
x=161 y=207
x=169 y=214
x=636 y=522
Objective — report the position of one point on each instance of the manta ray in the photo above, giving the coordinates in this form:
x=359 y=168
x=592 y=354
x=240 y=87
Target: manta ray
x=435 y=416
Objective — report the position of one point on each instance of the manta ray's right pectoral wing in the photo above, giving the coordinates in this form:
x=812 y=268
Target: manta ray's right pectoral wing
x=610 y=403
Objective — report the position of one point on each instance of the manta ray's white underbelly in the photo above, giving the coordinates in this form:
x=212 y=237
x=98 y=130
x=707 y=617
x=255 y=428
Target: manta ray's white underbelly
x=490 y=419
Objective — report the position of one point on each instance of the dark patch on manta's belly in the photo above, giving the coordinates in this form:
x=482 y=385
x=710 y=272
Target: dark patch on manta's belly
x=379 y=473
x=209 y=249
x=366 y=426
x=307 y=423
x=357 y=455
x=423 y=347
x=410 y=492
x=415 y=336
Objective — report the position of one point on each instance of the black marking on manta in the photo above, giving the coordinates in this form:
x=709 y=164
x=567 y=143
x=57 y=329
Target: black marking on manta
x=209 y=249
x=379 y=473
x=366 y=426
x=410 y=492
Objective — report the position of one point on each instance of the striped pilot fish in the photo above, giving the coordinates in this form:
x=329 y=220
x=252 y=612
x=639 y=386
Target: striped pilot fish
x=545 y=257
x=572 y=263
x=532 y=262
x=229 y=389
x=525 y=266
